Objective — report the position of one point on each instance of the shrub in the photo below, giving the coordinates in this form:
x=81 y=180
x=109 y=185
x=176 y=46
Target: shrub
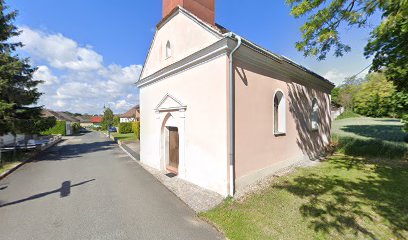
x=76 y=127
x=136 y=129
x=116 y=121
x=125 y=127
x=405 y=127
x=59 y=128
x=405 y=121
x=347 y=114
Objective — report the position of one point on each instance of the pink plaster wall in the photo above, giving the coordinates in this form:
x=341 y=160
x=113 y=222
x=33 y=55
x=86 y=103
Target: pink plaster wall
x=256 y=145
x=186 y=37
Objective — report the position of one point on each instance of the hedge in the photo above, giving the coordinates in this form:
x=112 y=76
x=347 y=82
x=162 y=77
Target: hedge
x=76 y=127
x=136 y=129
x=125 y=127
x=59 y=128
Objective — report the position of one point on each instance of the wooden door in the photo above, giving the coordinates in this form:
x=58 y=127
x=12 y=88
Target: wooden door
x=173 y=150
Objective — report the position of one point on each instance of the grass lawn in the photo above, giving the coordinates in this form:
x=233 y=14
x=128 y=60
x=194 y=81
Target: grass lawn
x=371 y=137
x=9 y=162
x=8 y=166
x=127 y=137
x=345 y=197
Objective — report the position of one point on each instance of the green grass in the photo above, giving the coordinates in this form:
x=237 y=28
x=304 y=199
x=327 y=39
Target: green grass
x=370 y=137
x=342 y=198
x=126 y=137
x=8 y=166
x=347 y=114
x=9 y=161
x=361 y=192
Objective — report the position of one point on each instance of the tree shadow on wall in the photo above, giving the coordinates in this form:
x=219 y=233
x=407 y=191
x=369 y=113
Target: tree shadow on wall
x=312 y=143
x=354 y=205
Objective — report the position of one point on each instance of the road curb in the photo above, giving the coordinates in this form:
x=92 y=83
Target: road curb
x=30 y=159
x=122 y=145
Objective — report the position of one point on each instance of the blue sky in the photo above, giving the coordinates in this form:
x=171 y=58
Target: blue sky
x=90 y=52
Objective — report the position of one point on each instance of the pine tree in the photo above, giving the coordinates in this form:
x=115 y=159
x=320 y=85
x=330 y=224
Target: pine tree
x=18 y=92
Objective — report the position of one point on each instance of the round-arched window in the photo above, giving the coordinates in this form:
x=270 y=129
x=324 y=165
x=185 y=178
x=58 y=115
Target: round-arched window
x=279 y=113
x=168 y=49
x=314 y=116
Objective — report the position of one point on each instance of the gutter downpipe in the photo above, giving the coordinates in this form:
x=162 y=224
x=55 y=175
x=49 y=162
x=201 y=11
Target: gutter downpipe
x=232 y=114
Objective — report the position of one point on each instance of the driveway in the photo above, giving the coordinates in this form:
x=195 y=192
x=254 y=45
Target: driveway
x=87 y=188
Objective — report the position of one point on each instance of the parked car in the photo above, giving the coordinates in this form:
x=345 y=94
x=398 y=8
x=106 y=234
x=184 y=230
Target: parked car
x=112 y=129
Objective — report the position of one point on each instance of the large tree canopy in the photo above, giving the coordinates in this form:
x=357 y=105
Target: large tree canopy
x=387 y=43
x=18 y=90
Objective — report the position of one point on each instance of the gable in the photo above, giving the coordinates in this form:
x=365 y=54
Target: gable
x=169 y=103
x=186 y=36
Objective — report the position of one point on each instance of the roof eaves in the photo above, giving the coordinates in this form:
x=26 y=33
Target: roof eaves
x=281 y=58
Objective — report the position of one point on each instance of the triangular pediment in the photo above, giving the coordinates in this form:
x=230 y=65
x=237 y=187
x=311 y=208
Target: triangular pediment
x=170 y=103
x=185 y=35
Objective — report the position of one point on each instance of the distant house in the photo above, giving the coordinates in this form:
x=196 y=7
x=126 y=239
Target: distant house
x=85 y=120
x=62 y=116
x=96 y=121
x=132 y=115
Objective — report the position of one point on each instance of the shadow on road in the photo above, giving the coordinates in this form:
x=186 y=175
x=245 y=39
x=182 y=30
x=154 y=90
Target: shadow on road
x=64 y=190
x=74 y=150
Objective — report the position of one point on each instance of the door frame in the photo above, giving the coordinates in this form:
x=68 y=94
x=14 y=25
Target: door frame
x=170 y=112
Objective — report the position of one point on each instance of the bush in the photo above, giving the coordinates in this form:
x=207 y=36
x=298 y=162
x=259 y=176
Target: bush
x=116 y=121
x=59 y=128
x=136 y=129
x=347 y=114
x=76 y=127
x=405 y=122
x=125 y=127
x=405 y=127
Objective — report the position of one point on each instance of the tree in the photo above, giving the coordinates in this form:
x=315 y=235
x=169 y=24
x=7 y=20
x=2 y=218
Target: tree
x=35 y=126
x=386 y=44
x=335 y=95
x=345 y=95
x=107 y=118
x=116 y=121
x=18 y=92
x=399 y=104
x=374 y=98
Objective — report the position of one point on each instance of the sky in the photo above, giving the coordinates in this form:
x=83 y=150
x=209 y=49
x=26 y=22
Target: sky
x=90 y=53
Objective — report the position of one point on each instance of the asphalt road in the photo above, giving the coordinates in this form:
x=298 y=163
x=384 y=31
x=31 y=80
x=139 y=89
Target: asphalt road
x=87 y=188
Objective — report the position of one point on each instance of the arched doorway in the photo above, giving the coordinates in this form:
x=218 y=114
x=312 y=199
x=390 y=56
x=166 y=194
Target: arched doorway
x=170 y=143
x=170 y=115
x=172 y=162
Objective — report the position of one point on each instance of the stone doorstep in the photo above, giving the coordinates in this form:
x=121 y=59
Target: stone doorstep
x=18 y=165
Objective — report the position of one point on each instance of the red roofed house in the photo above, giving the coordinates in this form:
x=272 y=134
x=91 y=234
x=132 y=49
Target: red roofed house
x=96 y=121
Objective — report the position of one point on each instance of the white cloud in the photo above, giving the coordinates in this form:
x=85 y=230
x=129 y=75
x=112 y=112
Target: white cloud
x=59 y=103
x=335 y=77
x=44 y=73
x=83 y=83
x=60 y=52
x=123 y=105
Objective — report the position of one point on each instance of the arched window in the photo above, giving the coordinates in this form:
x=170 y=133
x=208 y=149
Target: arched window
x=168 y=49
x=279 y=113
x=314 y=115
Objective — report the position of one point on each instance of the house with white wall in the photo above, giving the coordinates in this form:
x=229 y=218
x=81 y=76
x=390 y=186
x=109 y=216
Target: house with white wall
x=132 y=115
x=221 y=111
